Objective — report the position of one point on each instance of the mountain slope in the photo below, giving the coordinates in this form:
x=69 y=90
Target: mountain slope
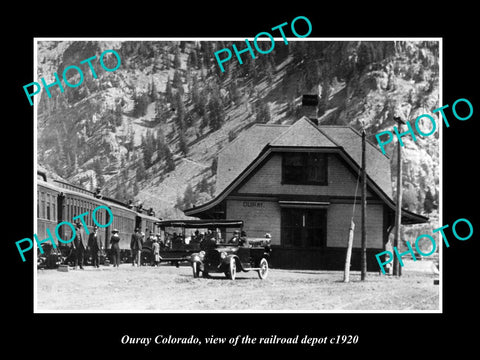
x=151 y=129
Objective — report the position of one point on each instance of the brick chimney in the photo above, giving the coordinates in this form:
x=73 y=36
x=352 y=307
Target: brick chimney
x=310 y=107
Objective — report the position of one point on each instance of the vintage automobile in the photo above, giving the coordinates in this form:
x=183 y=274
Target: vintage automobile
x=220 y=256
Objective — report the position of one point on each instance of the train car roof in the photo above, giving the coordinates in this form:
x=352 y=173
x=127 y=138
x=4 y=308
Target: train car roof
x=200 y=223
x=146 y=216
x=84 y=195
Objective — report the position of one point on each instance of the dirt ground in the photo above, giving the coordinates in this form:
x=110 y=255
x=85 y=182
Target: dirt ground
x=167 y=288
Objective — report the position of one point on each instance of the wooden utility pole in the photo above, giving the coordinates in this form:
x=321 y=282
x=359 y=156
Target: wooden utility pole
x=364 y=210
x=398 y=213
x=346 y=274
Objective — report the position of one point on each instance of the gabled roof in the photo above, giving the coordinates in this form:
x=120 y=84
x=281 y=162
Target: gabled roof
x=243 y=155
x=240 y=153
x=378 y=165
x=303 y=133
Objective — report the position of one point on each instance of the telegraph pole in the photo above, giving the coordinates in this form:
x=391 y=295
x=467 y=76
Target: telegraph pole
x=363 y=264
x=398 y=212
x=397 y=270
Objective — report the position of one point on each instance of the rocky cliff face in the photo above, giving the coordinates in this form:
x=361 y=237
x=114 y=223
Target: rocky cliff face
x=150 y=130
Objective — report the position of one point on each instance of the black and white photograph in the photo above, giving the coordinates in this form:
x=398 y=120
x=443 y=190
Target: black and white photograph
x=210 y=181
x=242 y=189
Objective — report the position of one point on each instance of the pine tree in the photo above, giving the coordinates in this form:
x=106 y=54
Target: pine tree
x=213 y=166
x=200 y=106
x=97 y=168
x=176 y=59
x=189 y=198
x=168 y=91
x=195 y=91
x=141 y=171
x=177 y=82
x=148 y=144
x=169 y=162
x=235 y=94
x=216 y=112
x=428 y=203
x=153 y=92
x=182 y=142
x=263 y=112
x=140 y=105
x=179 y=110
x=203 y=185
x=193 y=59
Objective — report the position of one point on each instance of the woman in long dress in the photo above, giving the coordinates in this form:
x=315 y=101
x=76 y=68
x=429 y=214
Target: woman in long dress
x=114 y=241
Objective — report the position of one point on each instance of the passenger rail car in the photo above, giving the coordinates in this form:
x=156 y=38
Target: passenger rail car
x=58 y=201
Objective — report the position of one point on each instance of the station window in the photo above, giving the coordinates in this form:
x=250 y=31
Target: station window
x=304 y=168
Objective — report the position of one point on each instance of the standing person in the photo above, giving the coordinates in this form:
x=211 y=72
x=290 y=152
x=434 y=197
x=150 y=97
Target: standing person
x=95 y=245
x=218 y=235
x=80 y=245
x=156 y=252
x=136 y=247
x=115 y=242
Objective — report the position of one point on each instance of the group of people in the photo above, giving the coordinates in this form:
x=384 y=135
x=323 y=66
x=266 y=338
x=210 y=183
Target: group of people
x=137 y=242
x=211 y=239
x=81 y=245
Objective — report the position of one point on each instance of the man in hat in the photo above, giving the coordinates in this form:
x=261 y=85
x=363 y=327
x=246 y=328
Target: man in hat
x=79 y=245
x=243 y=241
x=235 y=237
x=95 y=245
x=115 y=240
x=136 y=247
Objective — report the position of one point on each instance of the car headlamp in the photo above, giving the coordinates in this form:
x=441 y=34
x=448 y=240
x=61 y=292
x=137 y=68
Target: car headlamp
x=223 y=255
x=201 y=254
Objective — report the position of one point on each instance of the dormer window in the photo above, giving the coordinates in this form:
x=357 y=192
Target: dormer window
x=304 y=168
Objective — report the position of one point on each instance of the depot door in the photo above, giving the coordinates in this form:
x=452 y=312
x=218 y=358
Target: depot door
x=303 y=227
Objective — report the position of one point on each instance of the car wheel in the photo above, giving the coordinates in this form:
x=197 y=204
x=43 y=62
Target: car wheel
x=263 y=272
x=196 y=269
x=232 y=269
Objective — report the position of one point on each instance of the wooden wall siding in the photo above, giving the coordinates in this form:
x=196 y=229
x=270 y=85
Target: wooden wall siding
x=259 y=217
x=268 y=180
x=264 y=216
x=338 y=225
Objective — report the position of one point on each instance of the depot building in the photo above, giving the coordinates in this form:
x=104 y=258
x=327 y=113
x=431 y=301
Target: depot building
x=299 y=183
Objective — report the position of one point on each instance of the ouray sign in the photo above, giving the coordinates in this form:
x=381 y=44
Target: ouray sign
x=71 y=68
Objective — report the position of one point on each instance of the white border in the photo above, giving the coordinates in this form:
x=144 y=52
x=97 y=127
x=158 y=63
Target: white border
x=317 y=39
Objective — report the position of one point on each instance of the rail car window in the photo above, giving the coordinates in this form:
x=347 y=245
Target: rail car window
x=42 y=206
x=90 y=217
x=48 y=207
